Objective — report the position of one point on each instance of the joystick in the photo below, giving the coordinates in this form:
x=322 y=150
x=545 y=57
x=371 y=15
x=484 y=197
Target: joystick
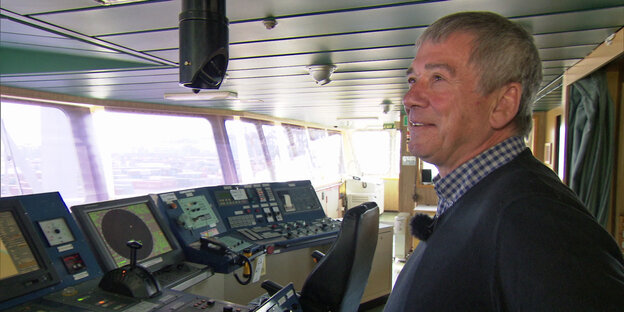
x=131 y=280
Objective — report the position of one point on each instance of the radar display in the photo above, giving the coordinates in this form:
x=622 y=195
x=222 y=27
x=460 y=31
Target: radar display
x=134 y=222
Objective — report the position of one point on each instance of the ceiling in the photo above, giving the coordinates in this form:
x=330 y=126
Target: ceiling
x=130 y=52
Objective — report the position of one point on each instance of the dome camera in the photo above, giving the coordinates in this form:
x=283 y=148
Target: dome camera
x=321 y=73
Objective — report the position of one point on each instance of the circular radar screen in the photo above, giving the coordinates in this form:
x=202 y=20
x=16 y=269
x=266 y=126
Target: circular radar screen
x=119 y=226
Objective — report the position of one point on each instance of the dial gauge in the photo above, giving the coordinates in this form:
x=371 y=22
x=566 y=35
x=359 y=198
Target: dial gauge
x=56 y=231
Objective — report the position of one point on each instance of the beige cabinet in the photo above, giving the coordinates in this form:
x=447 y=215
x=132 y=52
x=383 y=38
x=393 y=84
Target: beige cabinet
x=380 y=278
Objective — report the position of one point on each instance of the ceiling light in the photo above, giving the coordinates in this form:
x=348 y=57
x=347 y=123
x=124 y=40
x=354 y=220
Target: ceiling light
x=202 y=96
x=321 y=73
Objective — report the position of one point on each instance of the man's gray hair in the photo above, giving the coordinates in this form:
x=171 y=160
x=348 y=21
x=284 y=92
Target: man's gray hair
x=502 y=52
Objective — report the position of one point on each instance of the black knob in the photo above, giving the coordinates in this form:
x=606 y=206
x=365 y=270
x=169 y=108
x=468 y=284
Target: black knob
x=134 y=244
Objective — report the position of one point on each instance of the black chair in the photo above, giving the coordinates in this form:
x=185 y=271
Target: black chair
x=338 y=281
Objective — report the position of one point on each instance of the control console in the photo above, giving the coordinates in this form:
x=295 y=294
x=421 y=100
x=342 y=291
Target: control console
x=45 y=249
x=47 y=265
x=252 y=219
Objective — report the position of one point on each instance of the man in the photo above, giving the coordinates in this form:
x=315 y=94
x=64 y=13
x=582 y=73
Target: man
x=508 y=235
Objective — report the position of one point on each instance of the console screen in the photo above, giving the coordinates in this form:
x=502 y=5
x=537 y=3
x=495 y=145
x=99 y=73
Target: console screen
x=118 y=225
x=16 y=256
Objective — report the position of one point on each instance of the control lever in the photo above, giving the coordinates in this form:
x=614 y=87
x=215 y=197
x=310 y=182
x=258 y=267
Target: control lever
x=134 y=246
x=132 y=280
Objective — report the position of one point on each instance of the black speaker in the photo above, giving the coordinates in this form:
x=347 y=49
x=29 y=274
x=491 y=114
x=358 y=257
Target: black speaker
x=204 y=39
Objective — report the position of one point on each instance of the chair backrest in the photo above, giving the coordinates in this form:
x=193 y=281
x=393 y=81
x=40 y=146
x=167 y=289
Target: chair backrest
x=339 y=279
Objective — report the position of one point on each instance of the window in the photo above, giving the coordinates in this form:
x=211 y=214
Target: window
x=249 y=159
x=372 y=152
x=93 y=154
x=288 y=149
x=395 y=154
x=150 y=153
x=277 y=146
x=326 y=154
x=39 y=153
x=300 y=164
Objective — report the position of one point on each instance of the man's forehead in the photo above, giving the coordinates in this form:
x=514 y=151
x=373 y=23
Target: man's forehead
x=441 y=66
x=466 y=35
x=457 y=39
x=435 y=60
x=432 y=67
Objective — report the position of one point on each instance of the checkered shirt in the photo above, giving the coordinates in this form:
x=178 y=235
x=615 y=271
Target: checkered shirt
x=463 y=178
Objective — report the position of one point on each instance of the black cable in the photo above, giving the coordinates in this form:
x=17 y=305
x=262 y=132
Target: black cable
x=244 y=260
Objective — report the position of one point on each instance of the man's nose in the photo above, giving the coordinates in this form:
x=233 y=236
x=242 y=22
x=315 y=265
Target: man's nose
x=414 y=97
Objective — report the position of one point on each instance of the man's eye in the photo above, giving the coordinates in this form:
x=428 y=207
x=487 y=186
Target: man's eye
x=411 y=80
x=437 y=78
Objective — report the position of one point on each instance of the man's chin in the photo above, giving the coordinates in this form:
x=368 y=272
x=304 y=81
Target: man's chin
x=418 y=151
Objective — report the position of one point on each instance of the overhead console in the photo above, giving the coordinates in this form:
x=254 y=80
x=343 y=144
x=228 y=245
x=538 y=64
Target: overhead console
x=215 y=225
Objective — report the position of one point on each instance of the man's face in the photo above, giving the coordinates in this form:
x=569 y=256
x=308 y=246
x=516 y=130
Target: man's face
x=448 y=117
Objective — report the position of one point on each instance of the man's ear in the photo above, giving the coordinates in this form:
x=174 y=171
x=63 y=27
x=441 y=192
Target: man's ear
x=506 y=106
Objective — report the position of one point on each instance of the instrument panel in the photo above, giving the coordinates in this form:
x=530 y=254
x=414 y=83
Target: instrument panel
x=272 y=217
x=214 y=225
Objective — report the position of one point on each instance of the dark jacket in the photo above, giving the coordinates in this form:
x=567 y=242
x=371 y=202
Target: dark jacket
x=519 y=240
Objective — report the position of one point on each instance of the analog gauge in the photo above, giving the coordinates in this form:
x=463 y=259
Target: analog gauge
x=56 y=231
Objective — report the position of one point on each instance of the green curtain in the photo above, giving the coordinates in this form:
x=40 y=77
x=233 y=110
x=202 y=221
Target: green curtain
x=590 y=145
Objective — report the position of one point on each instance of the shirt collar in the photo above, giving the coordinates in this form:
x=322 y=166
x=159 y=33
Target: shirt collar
x=459 y=181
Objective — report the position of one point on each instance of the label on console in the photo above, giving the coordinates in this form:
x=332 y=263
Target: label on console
x=238 y=194
x=64 y=248
x=168 y=197
x=188 y=193
x=259 y=268
x=80 y=275
x=209 y=233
